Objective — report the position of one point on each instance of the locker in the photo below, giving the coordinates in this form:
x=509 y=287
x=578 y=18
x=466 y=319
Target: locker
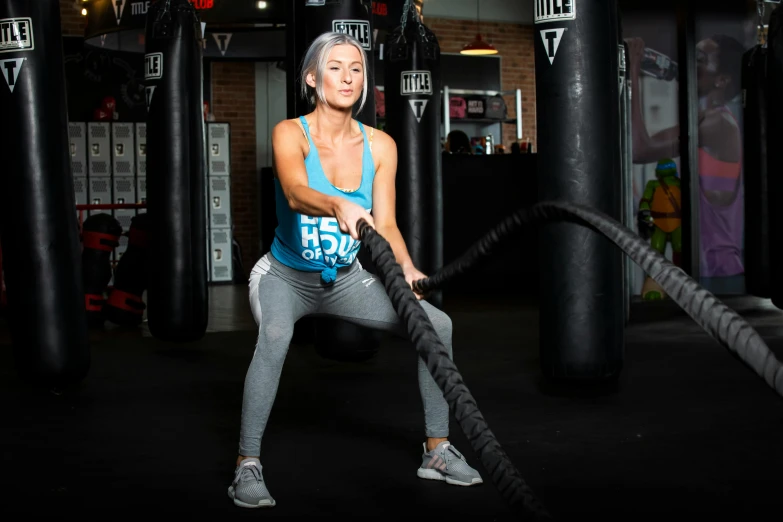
x=124 y=192
x=99 y=194
x=141 y=149
x=98 y=150
x=77 y=133
x=123 y=150
x=221 y=267
x=141 y=192
x=80 y=190
x=220 y=202
x=218 y=149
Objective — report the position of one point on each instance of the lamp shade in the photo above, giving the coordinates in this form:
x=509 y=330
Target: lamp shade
x=479 y=46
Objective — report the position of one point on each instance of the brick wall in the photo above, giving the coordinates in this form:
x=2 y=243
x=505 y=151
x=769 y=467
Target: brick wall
x=515 y=47
x=234 y=102
x=72 y=20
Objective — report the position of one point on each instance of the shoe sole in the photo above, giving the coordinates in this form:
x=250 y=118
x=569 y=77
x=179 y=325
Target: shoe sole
x=261 y=504
x=431 y=474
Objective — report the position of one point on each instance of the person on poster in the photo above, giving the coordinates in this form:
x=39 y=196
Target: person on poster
x=721 y=211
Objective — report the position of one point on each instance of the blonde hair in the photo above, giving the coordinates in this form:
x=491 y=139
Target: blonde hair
x=315 y=60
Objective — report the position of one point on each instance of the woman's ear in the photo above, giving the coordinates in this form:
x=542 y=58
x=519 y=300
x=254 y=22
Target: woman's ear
x=310 y=80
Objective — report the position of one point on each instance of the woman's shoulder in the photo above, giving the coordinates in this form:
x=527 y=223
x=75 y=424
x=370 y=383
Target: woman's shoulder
x=722 y=117
x=379 y=137
x=288 y=128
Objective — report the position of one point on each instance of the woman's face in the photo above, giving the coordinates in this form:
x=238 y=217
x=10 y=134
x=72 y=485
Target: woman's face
x=343 y=79
x=707 y=77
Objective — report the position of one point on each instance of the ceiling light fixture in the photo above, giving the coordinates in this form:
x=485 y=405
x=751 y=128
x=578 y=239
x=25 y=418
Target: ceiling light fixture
x=478 y=46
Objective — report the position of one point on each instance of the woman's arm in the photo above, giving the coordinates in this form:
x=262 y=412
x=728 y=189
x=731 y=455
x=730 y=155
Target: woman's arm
x=288 y=152
x=384 y=204
x=646 y=148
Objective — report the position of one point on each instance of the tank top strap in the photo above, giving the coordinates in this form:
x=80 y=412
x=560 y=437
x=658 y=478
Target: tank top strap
x=306 y=129
x=367 y=139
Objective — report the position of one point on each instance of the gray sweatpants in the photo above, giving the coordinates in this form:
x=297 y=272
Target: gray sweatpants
x=279 y=296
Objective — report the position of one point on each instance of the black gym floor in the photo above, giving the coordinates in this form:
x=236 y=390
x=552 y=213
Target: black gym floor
x=689 y=433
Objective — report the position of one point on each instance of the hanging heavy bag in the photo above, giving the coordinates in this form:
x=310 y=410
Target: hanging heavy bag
x=758 y=274
x=582 y=336
x=176 y=170
x=100 y=236
x=38 y=228
x=773 y=88
x=413 y=104
x=125 y=305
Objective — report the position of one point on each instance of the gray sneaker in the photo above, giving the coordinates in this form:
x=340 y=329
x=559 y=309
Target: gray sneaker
x=446 y=463
x=248 y=489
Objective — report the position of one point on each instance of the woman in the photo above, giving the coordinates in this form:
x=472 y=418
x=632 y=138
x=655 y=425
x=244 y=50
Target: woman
x=718 y=61
x=330 y=172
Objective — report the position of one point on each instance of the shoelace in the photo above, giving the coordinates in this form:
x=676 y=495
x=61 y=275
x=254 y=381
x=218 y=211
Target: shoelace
x=455 y=451
x=252 y=470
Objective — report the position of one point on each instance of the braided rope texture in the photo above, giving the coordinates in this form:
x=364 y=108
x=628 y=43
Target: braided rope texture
x=718 y=320
x=506 y=478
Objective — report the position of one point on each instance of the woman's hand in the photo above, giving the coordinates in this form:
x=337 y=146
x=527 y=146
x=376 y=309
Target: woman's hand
x=348 y=215
x=635 y=51
x=412 y=274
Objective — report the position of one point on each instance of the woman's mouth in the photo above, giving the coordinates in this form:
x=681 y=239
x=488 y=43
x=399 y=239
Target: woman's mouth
x=346 y=92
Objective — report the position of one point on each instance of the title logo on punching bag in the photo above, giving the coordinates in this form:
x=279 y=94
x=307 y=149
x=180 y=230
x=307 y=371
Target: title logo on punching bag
x=153 y=70
x=359 y=29
x=119 y=8
x=16 y=34
x=416 y=83
x=552 y=10
x=551 y=39
x=11 y=69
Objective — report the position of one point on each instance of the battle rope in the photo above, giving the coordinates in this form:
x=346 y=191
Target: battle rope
x=505 y=476
x=717 y=319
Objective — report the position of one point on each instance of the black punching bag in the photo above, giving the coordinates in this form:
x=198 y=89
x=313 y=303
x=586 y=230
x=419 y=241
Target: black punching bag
x=38 y=226
x=581 y=302
x=176 y=204
x=757 y=268
x=413 y=109
x=774 y=87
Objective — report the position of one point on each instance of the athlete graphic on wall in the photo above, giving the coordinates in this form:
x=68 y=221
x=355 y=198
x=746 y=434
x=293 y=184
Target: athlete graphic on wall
x=721 y=212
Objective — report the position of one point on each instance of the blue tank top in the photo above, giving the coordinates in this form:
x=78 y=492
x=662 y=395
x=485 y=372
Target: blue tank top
x=316 y=244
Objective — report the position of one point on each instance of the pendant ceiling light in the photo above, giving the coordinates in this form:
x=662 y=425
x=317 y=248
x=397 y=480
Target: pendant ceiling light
x=478 y=46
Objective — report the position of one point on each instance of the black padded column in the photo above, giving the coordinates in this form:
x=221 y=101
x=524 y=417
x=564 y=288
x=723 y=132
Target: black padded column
x=38 y=225
x=176 y=173
x=581 y=302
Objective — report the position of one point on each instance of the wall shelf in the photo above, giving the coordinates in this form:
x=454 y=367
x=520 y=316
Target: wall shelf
x=447 y=119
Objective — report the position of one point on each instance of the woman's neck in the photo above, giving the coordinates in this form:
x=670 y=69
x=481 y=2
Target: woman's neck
x=331 y=124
